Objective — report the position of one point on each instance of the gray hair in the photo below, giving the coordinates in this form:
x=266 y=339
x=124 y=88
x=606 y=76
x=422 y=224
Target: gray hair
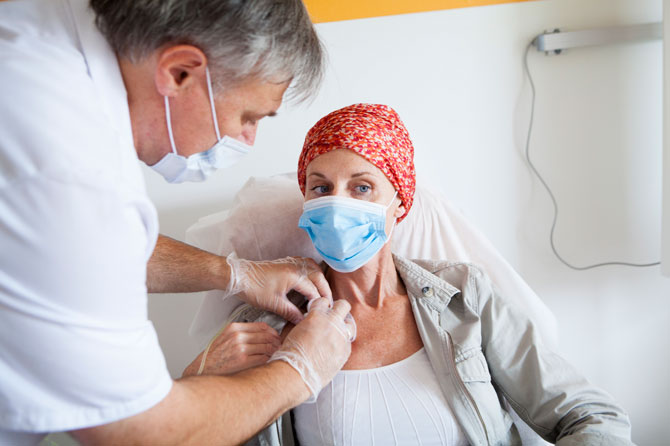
x=270 y=39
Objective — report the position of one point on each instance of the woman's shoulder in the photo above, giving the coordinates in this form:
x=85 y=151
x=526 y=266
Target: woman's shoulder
x=446 y=283
x=456 y=273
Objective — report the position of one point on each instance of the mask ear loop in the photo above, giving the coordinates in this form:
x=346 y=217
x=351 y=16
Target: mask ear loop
x=169 y=125
x=395 y=221
x=211 y=103
x=391 y=202
x=168 y=119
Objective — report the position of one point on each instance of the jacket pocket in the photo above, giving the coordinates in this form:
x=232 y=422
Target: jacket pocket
x=472 y=367
x=474 y=372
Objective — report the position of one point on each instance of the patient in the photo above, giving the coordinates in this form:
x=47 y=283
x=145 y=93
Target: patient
x=438 y=352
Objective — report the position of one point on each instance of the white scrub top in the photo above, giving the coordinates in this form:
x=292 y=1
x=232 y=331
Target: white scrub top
x=76 y=231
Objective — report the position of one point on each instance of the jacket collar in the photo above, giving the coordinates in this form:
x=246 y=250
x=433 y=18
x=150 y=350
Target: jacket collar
x=422 y=284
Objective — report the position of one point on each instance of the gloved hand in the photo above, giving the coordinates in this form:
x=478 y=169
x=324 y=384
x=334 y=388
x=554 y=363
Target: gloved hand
x=320 y=345
x=265 y=284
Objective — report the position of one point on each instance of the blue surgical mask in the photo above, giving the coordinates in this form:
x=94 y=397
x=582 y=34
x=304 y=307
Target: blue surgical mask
x=346 y=232
x=226 y=151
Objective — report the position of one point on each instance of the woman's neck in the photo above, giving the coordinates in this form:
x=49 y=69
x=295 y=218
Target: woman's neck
x=369 y=285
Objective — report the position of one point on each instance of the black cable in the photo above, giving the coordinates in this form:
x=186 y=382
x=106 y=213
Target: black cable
x=551 y=194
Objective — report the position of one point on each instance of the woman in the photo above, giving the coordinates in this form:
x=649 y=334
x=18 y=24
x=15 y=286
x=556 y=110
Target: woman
x=437 y=352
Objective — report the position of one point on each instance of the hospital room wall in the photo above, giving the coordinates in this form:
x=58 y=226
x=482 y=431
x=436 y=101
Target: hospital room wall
x=456 y=79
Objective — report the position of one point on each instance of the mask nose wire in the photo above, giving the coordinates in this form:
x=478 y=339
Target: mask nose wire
x=385 y=208
x=169 y=124
x=211 y=103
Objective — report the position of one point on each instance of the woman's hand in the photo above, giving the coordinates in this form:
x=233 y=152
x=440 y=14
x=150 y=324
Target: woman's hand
x=240 y=346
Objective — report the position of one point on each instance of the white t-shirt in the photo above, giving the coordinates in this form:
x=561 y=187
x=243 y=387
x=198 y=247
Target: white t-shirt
x=397 y=404
x=76 y=230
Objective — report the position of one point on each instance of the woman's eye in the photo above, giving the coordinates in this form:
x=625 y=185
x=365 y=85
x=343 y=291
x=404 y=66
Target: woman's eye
x=320 y=189
x=363 y=188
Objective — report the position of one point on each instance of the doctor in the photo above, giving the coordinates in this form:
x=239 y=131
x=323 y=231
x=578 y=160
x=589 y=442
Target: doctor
x=86 y=91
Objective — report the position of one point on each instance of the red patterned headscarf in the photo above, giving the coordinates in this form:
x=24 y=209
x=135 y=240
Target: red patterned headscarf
x=376 y=133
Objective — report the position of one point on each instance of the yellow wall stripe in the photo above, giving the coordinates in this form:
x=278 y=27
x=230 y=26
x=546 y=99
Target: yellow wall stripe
x=335 y=10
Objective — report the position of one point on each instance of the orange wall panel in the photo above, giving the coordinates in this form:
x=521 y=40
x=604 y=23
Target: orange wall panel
x=335 y=10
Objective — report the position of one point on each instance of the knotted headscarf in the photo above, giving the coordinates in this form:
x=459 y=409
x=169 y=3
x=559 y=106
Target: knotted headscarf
x=373 y=131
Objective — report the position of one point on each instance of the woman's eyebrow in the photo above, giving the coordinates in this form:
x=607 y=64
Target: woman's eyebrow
x=317 y=174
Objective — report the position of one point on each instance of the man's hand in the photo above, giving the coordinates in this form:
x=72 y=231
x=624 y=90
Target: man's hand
x=240 y=346
x=320 y=345
x=176 y=267
x=266 y=284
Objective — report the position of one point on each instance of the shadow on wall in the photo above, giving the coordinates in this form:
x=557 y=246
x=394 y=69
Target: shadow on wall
x=174 y=222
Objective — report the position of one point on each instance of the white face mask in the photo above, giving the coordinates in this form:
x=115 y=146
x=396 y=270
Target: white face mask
x=224 y=153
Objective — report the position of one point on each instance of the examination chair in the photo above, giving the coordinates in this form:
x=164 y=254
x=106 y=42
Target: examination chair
x=262 y=224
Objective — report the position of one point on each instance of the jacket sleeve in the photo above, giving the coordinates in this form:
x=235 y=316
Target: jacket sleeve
x=542 y=387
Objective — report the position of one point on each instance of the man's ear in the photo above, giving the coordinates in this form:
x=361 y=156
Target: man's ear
x=178 y=67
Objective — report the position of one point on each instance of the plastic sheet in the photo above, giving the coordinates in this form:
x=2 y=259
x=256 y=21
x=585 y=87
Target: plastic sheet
x=262 y=225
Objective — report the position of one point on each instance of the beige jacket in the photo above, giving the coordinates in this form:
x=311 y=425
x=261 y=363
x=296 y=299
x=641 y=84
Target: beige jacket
x=487 y=353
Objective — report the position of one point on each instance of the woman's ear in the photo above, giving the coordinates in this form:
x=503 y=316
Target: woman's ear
x=177 y=67
x=400 y=211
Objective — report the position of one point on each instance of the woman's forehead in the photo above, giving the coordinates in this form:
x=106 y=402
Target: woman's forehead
x=344 y=162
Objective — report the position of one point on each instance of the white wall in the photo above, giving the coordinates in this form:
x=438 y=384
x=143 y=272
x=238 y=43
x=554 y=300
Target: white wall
x=666 y=141
x=456 y=79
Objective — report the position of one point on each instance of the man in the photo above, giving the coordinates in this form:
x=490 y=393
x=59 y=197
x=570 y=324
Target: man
x=84 y=92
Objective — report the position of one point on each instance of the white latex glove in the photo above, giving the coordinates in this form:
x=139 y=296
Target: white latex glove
x=265 y=284
x=320 y=345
